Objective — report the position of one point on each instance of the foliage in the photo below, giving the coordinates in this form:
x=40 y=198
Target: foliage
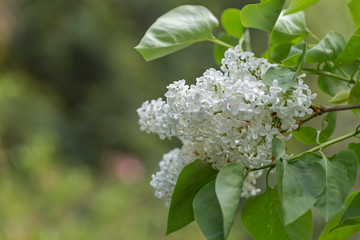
x=303 y=181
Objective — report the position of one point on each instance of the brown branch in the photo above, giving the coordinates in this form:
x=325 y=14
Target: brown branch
x=319 y=109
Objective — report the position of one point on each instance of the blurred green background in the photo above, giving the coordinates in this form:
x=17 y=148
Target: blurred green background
x=73 y=162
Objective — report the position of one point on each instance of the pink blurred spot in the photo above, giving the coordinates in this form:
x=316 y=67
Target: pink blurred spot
x=125 y=166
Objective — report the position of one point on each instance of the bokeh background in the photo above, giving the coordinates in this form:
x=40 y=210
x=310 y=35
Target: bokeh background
x=73 y=162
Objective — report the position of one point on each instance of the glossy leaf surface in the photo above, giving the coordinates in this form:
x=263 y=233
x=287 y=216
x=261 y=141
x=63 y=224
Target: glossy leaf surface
x=289 y=27
x=177 y=29
x=326 y=50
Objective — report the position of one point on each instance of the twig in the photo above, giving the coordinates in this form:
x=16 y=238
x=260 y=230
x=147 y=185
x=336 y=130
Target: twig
x=319 y=109
x=218 y=41
x=327 y=74
x=317 y=148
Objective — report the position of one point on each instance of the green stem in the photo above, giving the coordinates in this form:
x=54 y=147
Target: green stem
x=267 y=178
x=328 y=143
x=327 y=74
x=218 y=41
x=269 y=47
x=271 y=165
x=344 y=73
x=317 y=148
x=247 y=40
x=314 y=37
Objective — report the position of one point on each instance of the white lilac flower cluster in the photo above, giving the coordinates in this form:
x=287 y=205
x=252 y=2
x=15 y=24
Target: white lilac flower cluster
x=227 y=116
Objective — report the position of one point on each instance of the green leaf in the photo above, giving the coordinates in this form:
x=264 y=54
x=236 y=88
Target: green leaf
x=219 y=50
x=328 y=126
x=340 y=176
x=326 y=50
x=340 y=97
x=355 y=97
x=299 y=184
x=228 y=187
x=306 y=135
x=354 y=7
x=330 y=85
x=285 y=76
x=356 y=148
x=351 y=51
x=280 y=51
x=231 y=22
x=298 y=5
x=294 y=55
x=191 y=179
x=262 y=218
x=351 y=215
x=278 y=148
x=207 y=212
x=263 y=15
x=289 y=28
x=177 y=29
x=329 y=233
